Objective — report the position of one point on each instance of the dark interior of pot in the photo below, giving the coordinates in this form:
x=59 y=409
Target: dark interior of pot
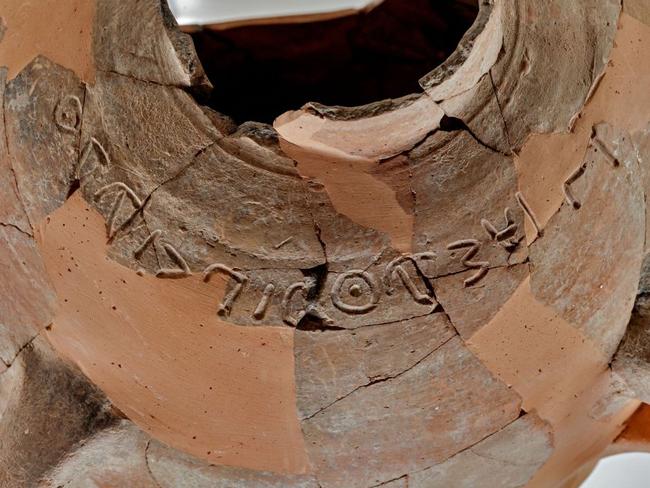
x=349 y=61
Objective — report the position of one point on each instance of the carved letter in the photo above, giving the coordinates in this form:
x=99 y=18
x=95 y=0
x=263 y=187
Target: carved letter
x=528 y=211
x=122 y=191
x=566 y=187
x=240 y=278
x=67 y=114
x=286 y=301
x=309 y=309
x=607 y=153
x=505 y=235
x=147 y=242
x=355 y=290
x=85 y=155
x=396 y=268
x=474 y=247
x=260 y=310
x=183 y=269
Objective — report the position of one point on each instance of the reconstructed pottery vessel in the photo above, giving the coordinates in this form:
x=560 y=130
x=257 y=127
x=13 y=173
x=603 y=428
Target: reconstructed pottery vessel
x=446 y=289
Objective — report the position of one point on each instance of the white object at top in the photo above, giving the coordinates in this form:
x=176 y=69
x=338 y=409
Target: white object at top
x=200 y=12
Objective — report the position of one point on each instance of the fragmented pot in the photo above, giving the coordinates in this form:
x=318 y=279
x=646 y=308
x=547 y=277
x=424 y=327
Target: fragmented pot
x=446 y=288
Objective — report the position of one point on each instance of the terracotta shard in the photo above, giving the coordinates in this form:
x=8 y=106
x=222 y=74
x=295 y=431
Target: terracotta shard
x=43 y=105
x=641 y=140
x=48 y=407
x=374 y=137
x=438 y=289
x=509 y=458
x=638 y=9
x=521 y=76
x=346 y=153
x=12 y=211
x=347 y=244
x=389 y=290
x=591 y=434
x=135 y=137
x=239 y=383
x=331 y=365
x=479 y=110
x=123 y=455
x=356 y=192
x=632 y=360
x=27 y=299
x=151 y=49
x=596 y=229
x=498 y=107
x=619 y=97
x=215 y=217
x=112 y=457
x=60 y=31
x=477 y=52
x=530 y=347
x=142 y=134
x=455 y=179
x=463 y=84
x=338 y=438
x=261 y=298
x=471 y=308
x=172 y=469
x=636 y=435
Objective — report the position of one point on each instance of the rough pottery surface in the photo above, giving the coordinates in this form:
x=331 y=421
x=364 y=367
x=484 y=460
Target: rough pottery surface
x=445 y=289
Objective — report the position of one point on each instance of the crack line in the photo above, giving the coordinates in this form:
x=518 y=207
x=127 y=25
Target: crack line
x=381 y=380
x=142 y=80
x=502 y=461
x=22 y=348
x=4 y=224
x=383 y=483
x=468 y=448
x=505 y=124
x=145 y=202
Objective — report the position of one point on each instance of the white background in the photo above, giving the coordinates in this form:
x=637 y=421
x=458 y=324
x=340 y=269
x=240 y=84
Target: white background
x=630 y=470
x=212 y=11
x=623 y=471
